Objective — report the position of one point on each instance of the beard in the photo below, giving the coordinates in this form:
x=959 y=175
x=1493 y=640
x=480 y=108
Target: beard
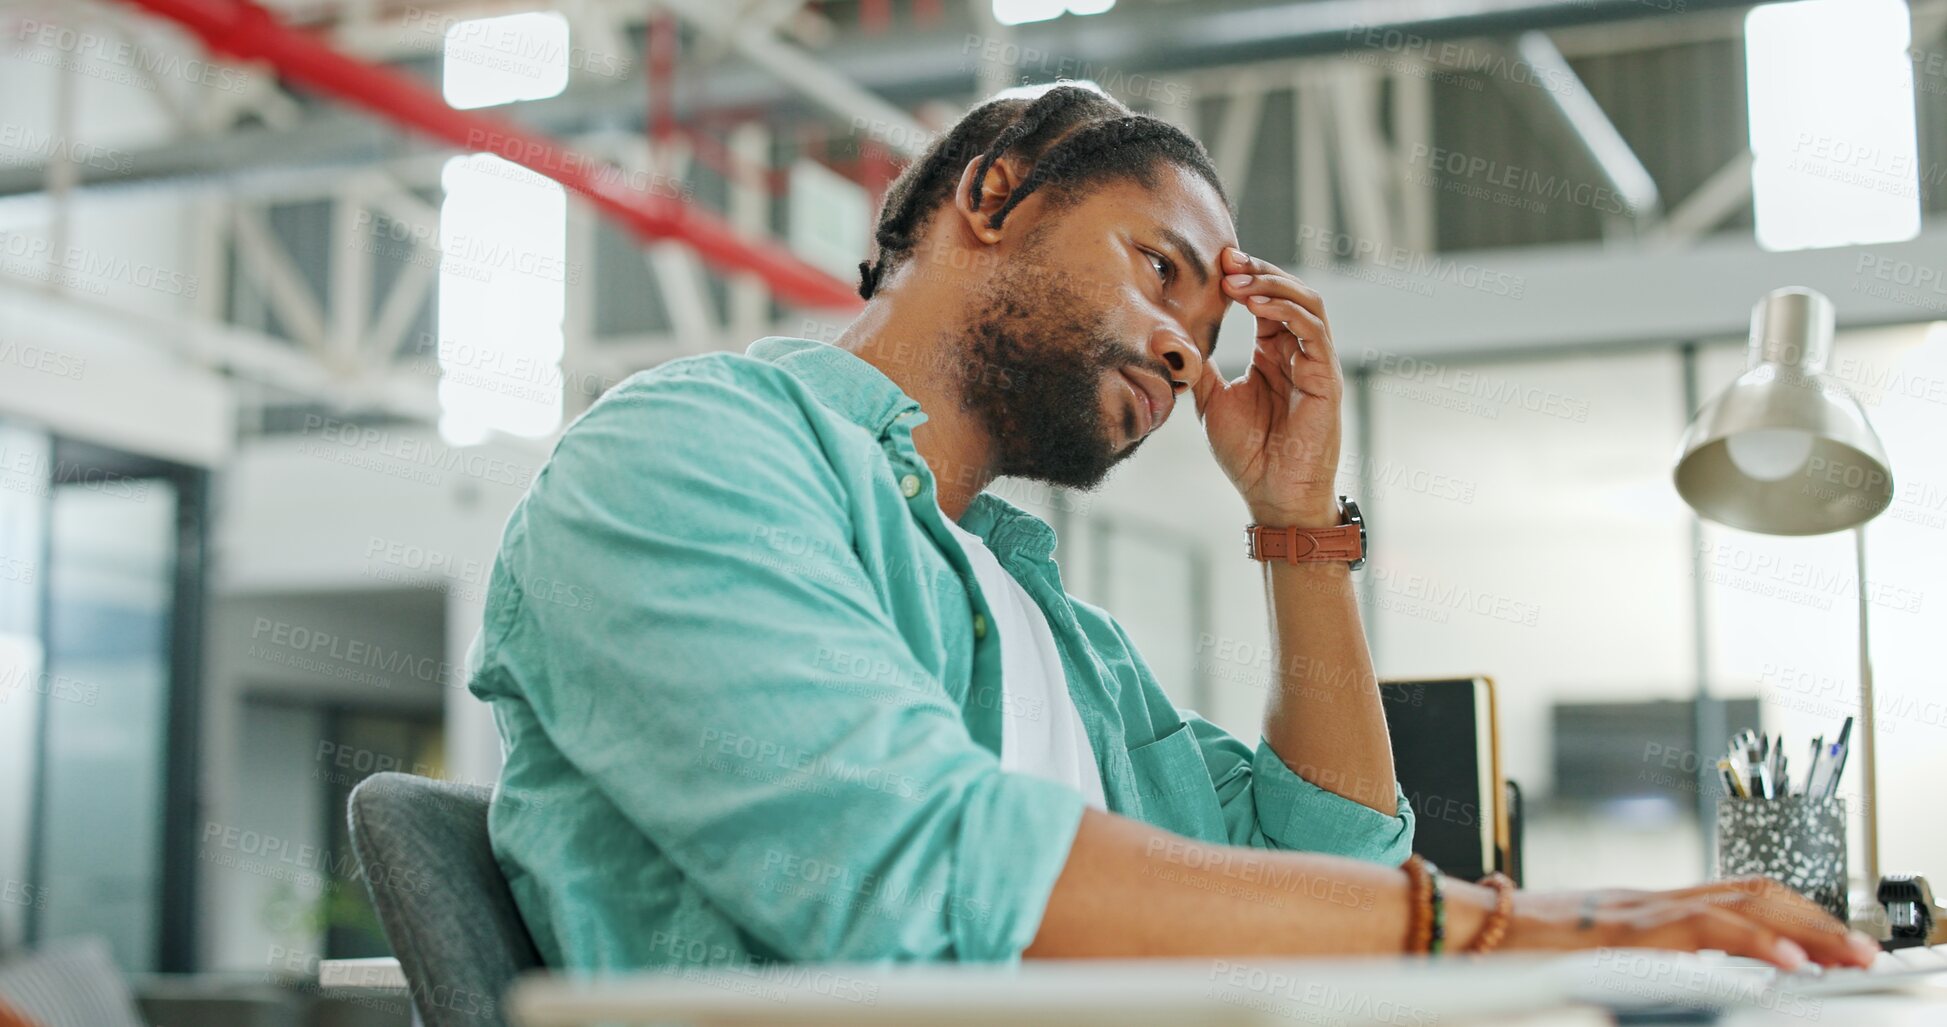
x=1035 y=362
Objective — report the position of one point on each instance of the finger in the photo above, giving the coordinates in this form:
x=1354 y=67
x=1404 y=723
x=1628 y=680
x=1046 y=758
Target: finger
x=1717 y=928
x=1303 y=372
x=1275 y=365
x=1284 y=347
x=1208 y=384
x=1748 y=884
x=1686 y=926
x=1763 y=896
x=1823 y=935
x=1288 y=311
x=1314 y=352
x=1236 y=261
x=1274 y=282
x=1275 y=314
x=1258 y=276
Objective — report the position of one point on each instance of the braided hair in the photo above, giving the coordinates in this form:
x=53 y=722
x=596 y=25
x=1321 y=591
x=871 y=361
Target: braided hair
x=1070 y=134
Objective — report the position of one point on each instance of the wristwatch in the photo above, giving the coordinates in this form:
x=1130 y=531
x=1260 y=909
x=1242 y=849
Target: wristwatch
x=1345 y=542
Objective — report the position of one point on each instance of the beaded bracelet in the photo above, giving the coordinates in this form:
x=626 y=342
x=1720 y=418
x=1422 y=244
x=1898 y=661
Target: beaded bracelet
x=1438 y=906
x=1419 y=921
x=1496 y=927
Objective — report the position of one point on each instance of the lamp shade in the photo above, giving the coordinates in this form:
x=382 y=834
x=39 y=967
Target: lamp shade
x=1785 y=450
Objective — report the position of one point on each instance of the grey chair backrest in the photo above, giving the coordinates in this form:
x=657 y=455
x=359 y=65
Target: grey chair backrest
x=440 y=895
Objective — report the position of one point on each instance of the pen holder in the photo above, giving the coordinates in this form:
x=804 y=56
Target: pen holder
x=1797 y=841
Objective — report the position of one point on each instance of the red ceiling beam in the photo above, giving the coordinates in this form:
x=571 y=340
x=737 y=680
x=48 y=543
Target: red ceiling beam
x=242 y=29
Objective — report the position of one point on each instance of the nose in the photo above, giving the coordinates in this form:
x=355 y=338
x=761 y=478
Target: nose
x=1176 y=352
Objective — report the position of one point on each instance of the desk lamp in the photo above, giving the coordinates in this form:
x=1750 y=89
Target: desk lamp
x=1786 y=450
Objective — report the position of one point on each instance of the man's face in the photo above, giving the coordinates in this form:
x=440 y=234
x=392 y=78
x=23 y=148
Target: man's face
x=1097 y=320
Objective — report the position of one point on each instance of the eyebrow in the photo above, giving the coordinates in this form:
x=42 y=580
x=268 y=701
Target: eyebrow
x=1188 y=251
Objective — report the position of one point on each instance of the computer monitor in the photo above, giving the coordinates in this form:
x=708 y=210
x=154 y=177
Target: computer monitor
x=1606 y=752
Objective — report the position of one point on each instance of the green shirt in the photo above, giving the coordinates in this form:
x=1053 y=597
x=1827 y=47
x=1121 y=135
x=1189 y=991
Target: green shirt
x=751 y=704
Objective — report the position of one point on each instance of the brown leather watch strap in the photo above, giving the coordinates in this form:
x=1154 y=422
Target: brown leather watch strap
x=1344 y=543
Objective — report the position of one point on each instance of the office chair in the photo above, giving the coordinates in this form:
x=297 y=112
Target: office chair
x=440 y=895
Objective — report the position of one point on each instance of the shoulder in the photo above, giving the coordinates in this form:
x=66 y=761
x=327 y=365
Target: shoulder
x=715 y=408
x=700 y=447
x=732 y=379
x=1104 y=632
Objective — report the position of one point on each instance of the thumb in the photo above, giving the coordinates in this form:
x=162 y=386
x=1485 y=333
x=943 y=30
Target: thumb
x=1208 y=384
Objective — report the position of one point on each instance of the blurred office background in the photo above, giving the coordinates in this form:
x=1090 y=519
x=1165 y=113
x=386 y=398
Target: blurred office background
x=273 y=370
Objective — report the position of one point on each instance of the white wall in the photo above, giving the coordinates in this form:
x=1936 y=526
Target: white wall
x=308 y=528
x=268 y=748
x=103 y=379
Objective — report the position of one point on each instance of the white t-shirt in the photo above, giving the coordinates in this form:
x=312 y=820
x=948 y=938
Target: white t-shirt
x=1041 y=732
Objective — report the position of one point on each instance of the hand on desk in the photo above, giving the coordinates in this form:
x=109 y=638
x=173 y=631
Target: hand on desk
x=1131 y=890
x=1749 y=916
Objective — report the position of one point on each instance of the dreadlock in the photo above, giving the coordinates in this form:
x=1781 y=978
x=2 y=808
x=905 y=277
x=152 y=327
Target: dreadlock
x=1070 y=134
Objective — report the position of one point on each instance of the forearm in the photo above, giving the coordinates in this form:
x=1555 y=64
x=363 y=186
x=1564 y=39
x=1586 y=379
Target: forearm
x=1129 y=889
x=1324 y=716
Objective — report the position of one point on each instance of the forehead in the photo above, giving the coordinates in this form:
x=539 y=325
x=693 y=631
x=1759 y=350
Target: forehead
x=1176 y=198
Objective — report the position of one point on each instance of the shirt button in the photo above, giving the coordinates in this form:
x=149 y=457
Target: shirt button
x=909 y=485
x=980 y=625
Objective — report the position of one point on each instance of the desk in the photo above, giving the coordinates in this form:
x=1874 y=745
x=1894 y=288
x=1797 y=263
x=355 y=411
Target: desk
x=1915 y=1010
x=1515 y=990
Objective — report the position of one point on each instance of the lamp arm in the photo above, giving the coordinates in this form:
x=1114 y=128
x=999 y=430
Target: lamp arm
x=1868 y=733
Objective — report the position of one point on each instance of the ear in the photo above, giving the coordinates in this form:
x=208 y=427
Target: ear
x=1003 y=178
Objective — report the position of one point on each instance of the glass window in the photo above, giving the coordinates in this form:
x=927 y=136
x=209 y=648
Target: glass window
x=23 y=527
x=1525 y=528
x=111 y=591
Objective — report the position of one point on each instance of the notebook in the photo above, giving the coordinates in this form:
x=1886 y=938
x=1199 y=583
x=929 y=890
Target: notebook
x=1447 y=755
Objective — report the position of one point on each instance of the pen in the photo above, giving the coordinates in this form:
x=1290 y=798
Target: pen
x=1838 y=758
x=1732 y=784
x=1760 y=773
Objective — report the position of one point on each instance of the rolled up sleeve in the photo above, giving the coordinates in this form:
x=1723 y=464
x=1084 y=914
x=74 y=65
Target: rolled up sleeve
x=734 y=686
x=1267 y=806
x=1297 y=814
x=1261 y=802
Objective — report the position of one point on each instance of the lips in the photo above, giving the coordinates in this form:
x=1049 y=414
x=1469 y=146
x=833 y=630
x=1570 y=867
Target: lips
x=1157 y=399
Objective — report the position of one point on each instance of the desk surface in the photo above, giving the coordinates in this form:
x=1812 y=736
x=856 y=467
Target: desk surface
x=1164 y=993
x=1504 y=991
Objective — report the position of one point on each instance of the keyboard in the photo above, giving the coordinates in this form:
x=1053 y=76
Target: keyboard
x=1891 y=969
x=1641 y=979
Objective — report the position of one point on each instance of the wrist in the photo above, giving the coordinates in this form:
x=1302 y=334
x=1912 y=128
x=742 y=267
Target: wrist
x=1444 y=914
x=1468 y=906
x=1319 y=513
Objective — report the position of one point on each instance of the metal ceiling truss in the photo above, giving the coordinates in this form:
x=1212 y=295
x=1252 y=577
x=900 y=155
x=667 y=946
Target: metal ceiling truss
x=246 y=30
x=1352 y=187
x=928 y=65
